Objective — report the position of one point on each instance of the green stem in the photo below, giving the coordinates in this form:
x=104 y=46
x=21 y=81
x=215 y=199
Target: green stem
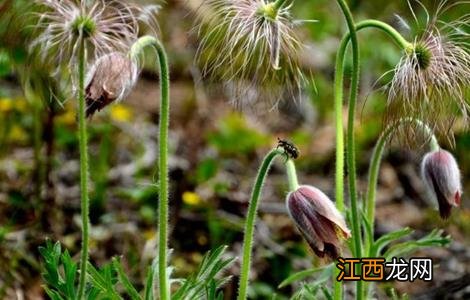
x=251 y=220
x=350 y=154
x=82 y=137
x=137 y=48
x=279 y=4
x=339 y=81
x=338 y=88
x=292 y=175
x=377 y=158
x=389 y=30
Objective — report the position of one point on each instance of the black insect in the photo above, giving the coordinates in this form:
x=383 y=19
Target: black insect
x=290 y=150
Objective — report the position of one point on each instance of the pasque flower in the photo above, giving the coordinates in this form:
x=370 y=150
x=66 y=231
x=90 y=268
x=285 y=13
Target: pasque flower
x=441 y=176
x=110 y=79
x=317 y=218
x=250 y=43
x=430 y=80
x=104 y=26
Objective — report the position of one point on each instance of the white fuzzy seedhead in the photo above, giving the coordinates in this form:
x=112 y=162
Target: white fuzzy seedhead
x=106 y=26
x=249 y=45
x=431 y=80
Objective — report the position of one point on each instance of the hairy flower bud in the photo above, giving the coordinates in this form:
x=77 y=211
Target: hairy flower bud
x=318 y=220
x=441 y=175
x=110 y=79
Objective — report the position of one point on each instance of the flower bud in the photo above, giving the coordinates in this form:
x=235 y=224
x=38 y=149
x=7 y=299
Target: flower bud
x=441 y=176
x=318 y=220
x=110 y=79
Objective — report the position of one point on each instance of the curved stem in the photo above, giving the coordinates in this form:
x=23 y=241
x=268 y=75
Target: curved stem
x=350 y=154
x=338 y=89
x=377 y=158
x=251 y=220
x=339 y=81
x=137 y=48
x=292 y=175
x=82 y=138
x=389 y=30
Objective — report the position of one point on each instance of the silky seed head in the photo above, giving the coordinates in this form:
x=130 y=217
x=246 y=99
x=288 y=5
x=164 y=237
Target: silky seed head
x=432 y=78
x=250 y=45
x=105 y=26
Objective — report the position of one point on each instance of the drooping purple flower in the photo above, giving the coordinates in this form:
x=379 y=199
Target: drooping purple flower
x=317 y=218
x=441 y=176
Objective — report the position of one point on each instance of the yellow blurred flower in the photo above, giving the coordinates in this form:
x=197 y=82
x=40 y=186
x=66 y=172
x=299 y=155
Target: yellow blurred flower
x=121 y=113
x=67 y=118
x=21 y=105
x=149 y=234
x=6 y=104
x=191 y=198
x=17 y=134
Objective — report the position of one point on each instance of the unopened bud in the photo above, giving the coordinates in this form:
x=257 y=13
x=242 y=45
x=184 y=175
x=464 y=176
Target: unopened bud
x=317 y=218
x=110 y=79
x=441 y=175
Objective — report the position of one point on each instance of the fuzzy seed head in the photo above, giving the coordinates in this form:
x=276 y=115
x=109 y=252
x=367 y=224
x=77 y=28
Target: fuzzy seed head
x=105 y=26
x=431 y=80
x=249 y=44
x=317 y=218
x=441 y=176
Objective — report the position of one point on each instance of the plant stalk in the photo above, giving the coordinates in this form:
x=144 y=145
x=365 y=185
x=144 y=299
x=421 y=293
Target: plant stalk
x=377 y=159
x=292 y=175
x=82 y=138
x=251 y=220
x=164 y=122
x=350 y=154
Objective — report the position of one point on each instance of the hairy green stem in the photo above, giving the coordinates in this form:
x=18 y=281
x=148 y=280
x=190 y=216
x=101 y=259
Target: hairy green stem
x=350 y=154
x=137 y=48
x=389 y=30
x=292 y=175
x=278 y=4
x=82 y=138
x=377 y=158
x=251 y=220
x=339 y=81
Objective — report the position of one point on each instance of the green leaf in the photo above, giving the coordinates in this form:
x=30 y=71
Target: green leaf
x=326 y=293
x=433 y=239
x=125 y=280
x=103 y=280
x=149 y=285
x=368 y=233
x=70 y=271
x=300 y=276
x=195 y=286
x=386 y=239
x=309 y=290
